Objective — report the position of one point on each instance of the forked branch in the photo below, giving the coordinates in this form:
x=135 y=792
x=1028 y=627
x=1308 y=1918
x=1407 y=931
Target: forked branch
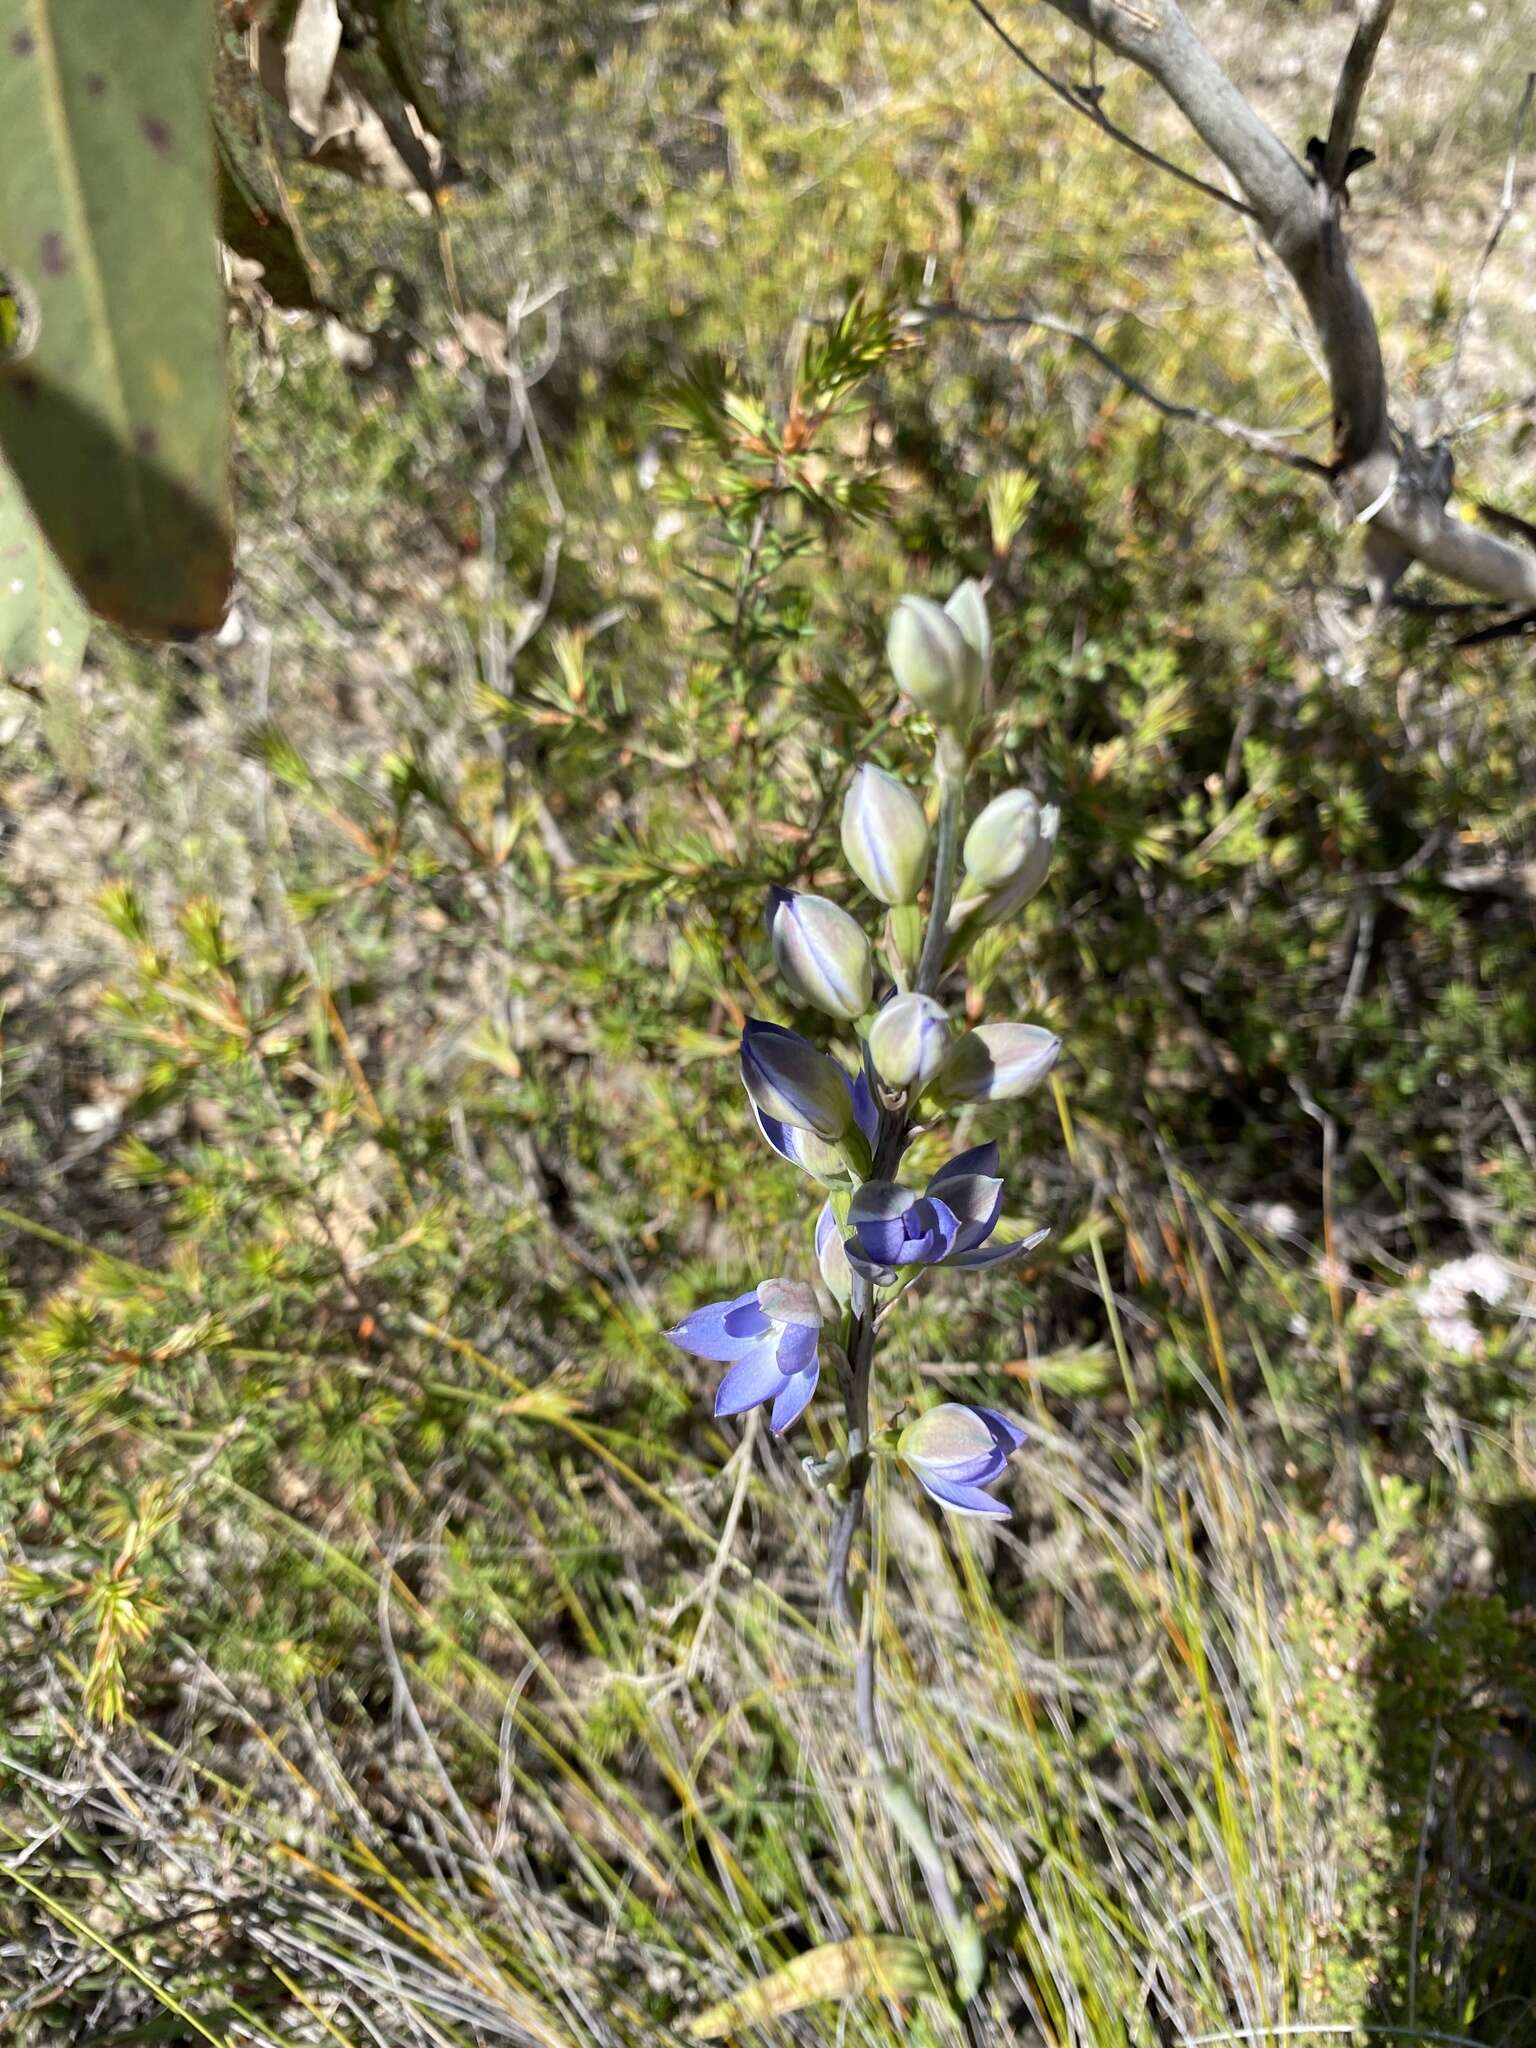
x=1379 y=475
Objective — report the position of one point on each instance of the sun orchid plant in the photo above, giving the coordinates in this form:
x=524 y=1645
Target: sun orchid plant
x=849 y=1126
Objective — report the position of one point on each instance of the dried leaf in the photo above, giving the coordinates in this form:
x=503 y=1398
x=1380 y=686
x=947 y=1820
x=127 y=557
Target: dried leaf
x=309 y=61
x=868 y=1965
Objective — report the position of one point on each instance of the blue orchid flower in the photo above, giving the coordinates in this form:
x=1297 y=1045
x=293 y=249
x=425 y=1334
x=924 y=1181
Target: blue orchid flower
x=948 y=1224
x=954 y=1451
x=770 y=1339
x=801 y=1078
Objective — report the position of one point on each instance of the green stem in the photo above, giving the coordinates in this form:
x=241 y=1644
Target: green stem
x=950 y=763
x=905 y=1809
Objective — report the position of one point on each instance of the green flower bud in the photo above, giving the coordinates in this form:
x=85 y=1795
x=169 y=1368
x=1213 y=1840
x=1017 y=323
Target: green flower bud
x=1002 y=838
x=996 y=1062
x=832 y=1256
x=909 y=1041
x=934 y=664
x=885 y=835
x=822 y=953
x=968 y=608
x=1007 y=856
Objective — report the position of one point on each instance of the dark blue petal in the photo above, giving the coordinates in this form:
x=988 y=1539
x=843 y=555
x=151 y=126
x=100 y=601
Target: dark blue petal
x=721 y=1329
x=790 y=1404
x=979 y=1159
x=999 y=1254
x=1011 y=1435
x=960 y=1499
x=940 y=1229
x=865 y=1107
x=778 y=1135
x=878 y=1216
x=750 y=1380
x=871 y=1269
x=977 y=1202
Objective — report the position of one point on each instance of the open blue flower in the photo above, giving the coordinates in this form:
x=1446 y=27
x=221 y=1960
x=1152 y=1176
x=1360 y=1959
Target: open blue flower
x=948 y=1224
x=769 y=1337
x=954 y=1451
x=778 y=1074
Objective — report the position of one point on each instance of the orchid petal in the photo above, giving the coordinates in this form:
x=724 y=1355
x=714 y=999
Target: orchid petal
x=791 y=1402
x=751 y=1380
x=979 y=1159
x=720 y=1330
x=796 y=1348
x=962 y=1500
x=999 y=1254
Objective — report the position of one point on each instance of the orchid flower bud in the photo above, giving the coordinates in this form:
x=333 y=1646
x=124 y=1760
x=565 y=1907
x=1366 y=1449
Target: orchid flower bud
x=822 y=953
x=996 y=1062
x=832 y=1256
x=968 y=608
x=885 y=836
x=1003 y=838
x=791 y=1083
x=1007 y=856
x=935 y=665
x=955 y=1451
x=909 y=1041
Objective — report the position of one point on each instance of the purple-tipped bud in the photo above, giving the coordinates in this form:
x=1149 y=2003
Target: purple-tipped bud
x=934 y=664
x=1007 y=856
x=822 y=953
x=885 y=836
x=909 y=1041
x=791 y=1083
x=996 y=1062
x=954 y=1451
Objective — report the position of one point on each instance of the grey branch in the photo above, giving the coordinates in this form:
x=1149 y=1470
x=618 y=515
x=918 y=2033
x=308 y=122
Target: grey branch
x=1370 y=27
x=1086 y=102
x=1261 y=440
x=1380 y=476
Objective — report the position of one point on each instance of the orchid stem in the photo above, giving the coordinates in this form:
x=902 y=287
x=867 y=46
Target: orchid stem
x=906 y=1811
x=950 y=765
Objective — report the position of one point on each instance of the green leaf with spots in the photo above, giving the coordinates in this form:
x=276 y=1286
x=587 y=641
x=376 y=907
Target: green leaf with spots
x=114 y=419
x=42 y=621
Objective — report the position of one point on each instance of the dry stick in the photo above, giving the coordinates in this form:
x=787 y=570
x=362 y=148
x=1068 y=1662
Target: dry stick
x=1261 y=440
x=1087 y=104
x=1302 y=226
x=1370 y=27
x=1500 y=222
x=709 y=1597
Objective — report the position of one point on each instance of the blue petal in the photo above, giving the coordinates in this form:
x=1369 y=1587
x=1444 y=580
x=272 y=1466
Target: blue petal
x=960 y=1499
x=722 y=1330
x=826 y=1229
x=777 y=1134
x=790 y=1404
x=865 y=1108
x=942 y=1230
x=750 y=1380
x=878 y=1216
x=979 y=1159
x=1012 y=1435
x=795 y=1350
x=998 y=1254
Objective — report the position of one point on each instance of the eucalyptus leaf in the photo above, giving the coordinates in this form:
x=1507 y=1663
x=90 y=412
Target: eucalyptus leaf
x=112 y=414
